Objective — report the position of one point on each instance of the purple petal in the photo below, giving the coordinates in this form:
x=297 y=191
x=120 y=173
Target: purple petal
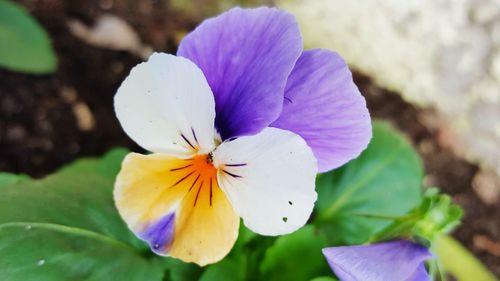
x=246 y=56
x=159 y=235
x=390 y=261
x=323 y=105
x=420 y=274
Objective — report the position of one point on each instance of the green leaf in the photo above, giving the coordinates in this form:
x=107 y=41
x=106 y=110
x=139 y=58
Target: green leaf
x=459 y=262
x=181 y=271
x=296 y=256
x=49 y=252
x=108 y=166
x=436 y=215
x=324 y=278
x=355 y=201
x=68 y=221
x=8 y=178
x=229 y=269
x=77 y=200
x=245 y=236
x=254 y=248
x=24 y=45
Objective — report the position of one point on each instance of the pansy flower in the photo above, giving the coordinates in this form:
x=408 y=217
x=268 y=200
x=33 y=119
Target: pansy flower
x=239 y=123
x=398 y=260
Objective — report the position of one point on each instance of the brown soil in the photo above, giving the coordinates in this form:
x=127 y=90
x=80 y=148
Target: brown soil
x=41 y=126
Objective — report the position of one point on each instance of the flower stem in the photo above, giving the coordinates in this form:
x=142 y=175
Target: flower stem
x=459 y=262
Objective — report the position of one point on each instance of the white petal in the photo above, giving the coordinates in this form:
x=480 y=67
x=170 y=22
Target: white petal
x=270 y=180
x=166 y=106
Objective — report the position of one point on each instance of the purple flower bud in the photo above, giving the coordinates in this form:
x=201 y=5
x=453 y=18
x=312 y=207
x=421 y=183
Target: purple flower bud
x=398 y=260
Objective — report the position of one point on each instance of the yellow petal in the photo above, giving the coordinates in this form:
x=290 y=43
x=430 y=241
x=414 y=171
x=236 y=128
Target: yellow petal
x=176 y=205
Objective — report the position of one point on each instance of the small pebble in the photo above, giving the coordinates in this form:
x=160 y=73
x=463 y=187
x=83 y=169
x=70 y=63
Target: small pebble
x=486 y=184
x=486 y=244
x=69 y=94
x=16 y=133
x=106 y=4
x=84 y=117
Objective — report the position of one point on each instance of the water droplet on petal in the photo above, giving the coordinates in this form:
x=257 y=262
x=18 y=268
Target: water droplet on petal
x=40 y=262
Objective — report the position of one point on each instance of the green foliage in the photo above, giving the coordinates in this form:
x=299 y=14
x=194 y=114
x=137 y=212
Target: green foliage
x=436 y=215
x=45 y=252
x=232 y=268
x=296 y=257
x=8 y=178
x=65 y=227
x=24 y=45
x=439 y=216
x=108 y=166
x=181 y=271
x=384 y=181
x=324 y=278
x=69 y=198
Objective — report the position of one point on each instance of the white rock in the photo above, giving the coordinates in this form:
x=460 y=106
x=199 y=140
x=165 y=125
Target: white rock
x=110 y=32
x=439 y=53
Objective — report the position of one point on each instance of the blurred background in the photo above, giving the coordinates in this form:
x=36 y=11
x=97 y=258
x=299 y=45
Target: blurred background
x=430 y=67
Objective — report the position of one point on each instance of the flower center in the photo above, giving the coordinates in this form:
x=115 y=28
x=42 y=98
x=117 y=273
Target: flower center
x=203 y=165
x=197 y=176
